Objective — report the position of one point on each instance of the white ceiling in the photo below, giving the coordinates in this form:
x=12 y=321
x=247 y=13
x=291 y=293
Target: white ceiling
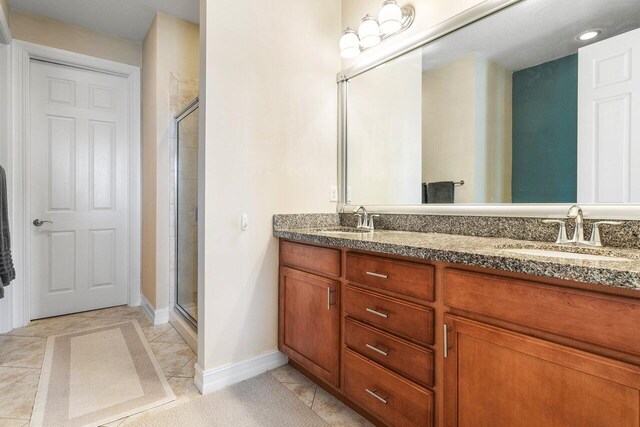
x=124 y=18
x=533 y=32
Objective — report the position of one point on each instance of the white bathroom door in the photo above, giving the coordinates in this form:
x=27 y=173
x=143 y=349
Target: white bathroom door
x=78 y=180
x=609 y=120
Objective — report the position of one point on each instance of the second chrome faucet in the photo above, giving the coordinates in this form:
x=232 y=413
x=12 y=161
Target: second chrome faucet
x=575 y=213
x=365 y=220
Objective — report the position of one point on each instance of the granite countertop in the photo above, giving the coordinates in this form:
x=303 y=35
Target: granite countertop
x=487 y=252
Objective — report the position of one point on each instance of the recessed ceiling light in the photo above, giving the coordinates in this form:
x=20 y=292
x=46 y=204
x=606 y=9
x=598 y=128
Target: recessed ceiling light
x=588 y=35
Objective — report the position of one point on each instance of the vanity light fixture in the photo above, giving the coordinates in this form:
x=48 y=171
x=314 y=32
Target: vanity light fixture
x=369 y=32
x=349 y=44
x=392 y=19
x=588 y=35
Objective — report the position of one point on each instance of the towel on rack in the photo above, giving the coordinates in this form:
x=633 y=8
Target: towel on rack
x=7 y=271
x=440 y=192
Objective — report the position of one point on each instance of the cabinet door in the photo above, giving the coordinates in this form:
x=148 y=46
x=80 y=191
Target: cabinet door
x=494 y=377
x=310 y=322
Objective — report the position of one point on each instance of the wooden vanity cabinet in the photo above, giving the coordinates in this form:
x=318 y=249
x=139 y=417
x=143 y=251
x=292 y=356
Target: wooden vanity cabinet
x=497 y=376
x=426 y=343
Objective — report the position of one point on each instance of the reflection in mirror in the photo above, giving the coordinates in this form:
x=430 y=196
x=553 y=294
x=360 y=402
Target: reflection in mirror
x=514 y=108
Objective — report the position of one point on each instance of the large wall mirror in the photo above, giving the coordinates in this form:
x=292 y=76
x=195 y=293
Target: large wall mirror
x=518 y=107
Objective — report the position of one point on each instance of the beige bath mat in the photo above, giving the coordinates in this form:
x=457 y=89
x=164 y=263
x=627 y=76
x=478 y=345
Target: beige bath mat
x=93 y=377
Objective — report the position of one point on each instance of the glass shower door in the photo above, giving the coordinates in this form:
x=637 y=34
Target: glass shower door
x=187 y=213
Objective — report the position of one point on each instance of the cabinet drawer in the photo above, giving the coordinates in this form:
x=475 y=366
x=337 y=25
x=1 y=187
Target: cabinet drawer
x=313 y=258
x=390 y=314
x=591 y=317
x=394 y=353
x=407 y=278
x=394 y=400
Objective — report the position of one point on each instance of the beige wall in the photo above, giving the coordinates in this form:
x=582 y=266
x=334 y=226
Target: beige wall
x=179 y=53
x=494 y=131
x=171 y=46
x=149 y=165
x=269 y=129
x=466 y=127
x=58 y=34
x=448 y=126
x=385 y=135
x=428 y=14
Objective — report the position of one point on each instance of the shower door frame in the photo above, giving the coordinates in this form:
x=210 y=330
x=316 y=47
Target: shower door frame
x=184 y=113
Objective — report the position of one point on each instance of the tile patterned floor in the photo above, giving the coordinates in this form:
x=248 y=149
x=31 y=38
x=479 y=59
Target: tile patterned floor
x=22 y=353
x=334 y=412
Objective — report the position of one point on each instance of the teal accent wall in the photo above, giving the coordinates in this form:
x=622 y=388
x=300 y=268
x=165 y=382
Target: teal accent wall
x=545 y=132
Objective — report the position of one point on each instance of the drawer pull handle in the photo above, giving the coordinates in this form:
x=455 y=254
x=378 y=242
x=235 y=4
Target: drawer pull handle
x=377 y=396
x=378 y=313
x=381 y=276
x=377 y=350
x=445 y=345
x=329 y=304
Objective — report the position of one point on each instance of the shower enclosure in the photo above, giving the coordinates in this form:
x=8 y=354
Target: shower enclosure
x=187 y=212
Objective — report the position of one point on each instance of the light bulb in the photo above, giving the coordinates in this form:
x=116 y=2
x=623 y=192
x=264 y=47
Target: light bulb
x=390 y=17
x=349 y=44
x=369 y=32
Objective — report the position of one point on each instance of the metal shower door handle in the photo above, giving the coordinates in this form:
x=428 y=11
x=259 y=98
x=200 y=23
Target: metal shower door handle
x=41 y=222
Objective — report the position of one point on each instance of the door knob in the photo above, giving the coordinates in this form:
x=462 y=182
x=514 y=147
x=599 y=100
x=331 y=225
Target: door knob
x=40 y=222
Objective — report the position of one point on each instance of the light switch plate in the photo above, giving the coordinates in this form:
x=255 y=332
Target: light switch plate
x=333 y=195
x=244 y=222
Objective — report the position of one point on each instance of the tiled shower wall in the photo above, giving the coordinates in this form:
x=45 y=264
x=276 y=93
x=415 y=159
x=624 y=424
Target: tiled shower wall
x=183 y=89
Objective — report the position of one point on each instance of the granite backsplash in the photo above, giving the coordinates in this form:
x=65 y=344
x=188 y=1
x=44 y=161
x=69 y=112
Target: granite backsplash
x=626 y=235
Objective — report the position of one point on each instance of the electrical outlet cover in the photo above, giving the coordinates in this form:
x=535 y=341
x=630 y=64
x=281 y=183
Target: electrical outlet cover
x=333 y=197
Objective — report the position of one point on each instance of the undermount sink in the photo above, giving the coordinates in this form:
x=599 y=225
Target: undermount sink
x=565 y=255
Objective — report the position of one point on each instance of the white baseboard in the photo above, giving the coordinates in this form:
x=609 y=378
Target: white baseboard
x=224 y=376
x=185 y=330
x=157 y=317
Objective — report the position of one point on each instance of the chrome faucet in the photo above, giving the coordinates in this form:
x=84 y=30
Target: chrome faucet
x=596 y=239
x=365 y=221
x=575 y=213
x=562 y=232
